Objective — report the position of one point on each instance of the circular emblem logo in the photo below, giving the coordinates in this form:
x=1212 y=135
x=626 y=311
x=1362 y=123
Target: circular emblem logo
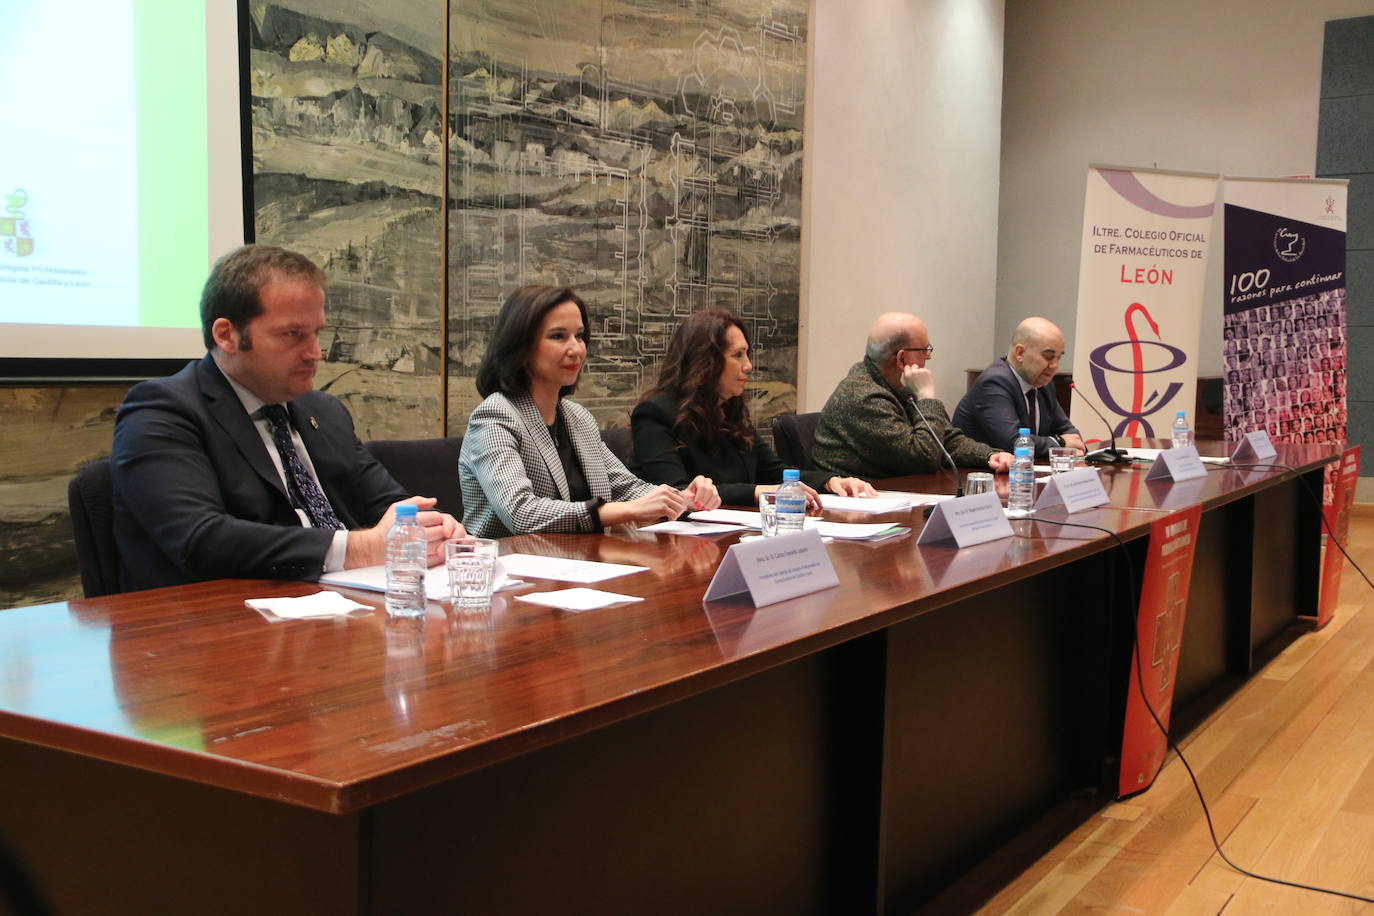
x=1288 y=245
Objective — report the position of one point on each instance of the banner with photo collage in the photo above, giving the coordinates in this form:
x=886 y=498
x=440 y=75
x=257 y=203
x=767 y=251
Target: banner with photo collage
x=1284 y=325
x=1141 y=276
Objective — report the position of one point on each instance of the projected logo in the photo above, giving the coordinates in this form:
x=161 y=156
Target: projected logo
x=16 y=229
x=1135 y=417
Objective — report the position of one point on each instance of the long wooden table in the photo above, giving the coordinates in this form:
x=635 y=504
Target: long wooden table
x=854 y=750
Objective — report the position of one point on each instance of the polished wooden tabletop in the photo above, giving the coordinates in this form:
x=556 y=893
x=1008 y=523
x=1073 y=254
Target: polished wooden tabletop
x=340 y=713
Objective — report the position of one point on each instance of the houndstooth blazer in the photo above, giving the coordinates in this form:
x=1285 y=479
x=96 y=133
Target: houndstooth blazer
x=513 y=480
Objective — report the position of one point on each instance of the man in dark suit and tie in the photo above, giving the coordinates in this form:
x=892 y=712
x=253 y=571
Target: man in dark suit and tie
x=236 y=466
x=1015 y=392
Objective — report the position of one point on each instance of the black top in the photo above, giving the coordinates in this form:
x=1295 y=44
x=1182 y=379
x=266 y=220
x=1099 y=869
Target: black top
x=578 y=491
x=662 y=456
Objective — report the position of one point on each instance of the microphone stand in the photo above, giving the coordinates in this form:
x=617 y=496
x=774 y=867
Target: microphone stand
x=958 y=480
x=1111 y=455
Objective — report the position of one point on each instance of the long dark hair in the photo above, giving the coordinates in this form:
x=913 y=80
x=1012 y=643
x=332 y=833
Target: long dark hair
x=512 y=338
x=691 y=374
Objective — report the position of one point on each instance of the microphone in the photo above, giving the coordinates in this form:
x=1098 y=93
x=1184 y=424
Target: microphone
x=1111 y=455
x=958 y=481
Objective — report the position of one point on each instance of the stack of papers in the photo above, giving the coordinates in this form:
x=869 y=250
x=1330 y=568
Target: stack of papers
x=373 y=579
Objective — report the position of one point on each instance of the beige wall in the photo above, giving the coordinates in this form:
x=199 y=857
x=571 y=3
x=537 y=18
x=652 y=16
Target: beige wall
x=1229 y=87
x=902 y=156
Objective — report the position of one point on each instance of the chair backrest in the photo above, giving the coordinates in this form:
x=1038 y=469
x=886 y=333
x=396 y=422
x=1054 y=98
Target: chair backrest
x=794 y=436
x=424 y=467
x=90 y=499
x=619 y=442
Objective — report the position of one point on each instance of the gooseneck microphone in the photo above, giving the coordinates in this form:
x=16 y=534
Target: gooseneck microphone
x=1111 y=455
x=958 y=481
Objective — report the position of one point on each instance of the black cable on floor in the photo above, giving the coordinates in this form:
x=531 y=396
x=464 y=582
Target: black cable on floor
x=1140 y=688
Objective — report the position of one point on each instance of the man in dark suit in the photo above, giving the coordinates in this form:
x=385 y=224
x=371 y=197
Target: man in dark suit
x=1001 y=401
x=235 y=466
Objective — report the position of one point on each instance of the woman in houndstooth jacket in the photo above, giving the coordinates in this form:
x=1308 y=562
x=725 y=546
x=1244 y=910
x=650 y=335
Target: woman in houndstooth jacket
x=533 y=460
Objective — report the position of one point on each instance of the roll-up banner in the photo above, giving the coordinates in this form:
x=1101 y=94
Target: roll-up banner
x=1140 y=285
x=1284 y=327
x=1159 y=640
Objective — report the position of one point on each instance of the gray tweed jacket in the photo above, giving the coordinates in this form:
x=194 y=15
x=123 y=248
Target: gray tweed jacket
x=513 y=480
x=868 y=430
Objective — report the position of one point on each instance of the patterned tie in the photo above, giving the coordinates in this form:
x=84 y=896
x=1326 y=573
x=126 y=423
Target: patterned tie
x=305 y=493
x=1030 y=406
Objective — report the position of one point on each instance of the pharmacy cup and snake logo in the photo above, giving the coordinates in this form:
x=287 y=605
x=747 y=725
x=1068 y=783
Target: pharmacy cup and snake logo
x=1146 y=358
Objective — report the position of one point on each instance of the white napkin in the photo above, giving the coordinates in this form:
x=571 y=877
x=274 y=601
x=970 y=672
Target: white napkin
x=577 y=599
x=320 y=604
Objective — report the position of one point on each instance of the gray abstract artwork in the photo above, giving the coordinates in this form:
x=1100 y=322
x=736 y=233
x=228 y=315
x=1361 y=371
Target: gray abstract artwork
x=648 y=155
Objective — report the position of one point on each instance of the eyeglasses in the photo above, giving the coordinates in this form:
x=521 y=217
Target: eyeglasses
x=928 y=351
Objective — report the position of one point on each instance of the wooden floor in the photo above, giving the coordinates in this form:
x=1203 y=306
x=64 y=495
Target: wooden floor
x=1287 y=767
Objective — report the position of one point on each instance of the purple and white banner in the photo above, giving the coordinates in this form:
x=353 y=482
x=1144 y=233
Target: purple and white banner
x=1284 y=324
x=1141 y=277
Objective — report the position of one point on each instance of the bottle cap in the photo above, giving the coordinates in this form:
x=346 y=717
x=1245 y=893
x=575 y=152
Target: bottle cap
x=1023 y=431
x=1181 y=413
x=405 y=511
x=791 y=474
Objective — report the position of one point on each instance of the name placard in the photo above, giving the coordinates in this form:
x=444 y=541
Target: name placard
x=774 y=569
x=1256 y=445
x=968 y=520
x=1077 y=489
x=1178 y=464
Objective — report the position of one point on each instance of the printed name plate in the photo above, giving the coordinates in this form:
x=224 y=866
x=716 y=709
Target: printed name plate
x=1077 y=490
x=1256 y=445
x=968 y=520
x=1178 y=464
x=774 y=569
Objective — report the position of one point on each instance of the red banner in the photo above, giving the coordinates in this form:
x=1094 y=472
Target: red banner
x=1337 y=513
x=1159 y=635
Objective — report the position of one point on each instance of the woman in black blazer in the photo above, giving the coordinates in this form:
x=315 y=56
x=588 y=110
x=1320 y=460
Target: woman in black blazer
x=694 y=421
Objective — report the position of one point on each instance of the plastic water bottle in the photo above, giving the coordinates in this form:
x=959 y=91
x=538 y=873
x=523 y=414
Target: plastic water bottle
x=791 y=503
x=1183 y=433
x=1023 y=440
x=405 y=565
x=1021 y=495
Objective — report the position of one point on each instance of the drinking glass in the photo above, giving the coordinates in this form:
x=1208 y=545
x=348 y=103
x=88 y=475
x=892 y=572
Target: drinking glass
x=470 y=563
x=1061 y=460
x=978 y=482
x=768 y=513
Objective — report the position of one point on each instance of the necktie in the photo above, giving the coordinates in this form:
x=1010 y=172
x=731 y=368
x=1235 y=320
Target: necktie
x=305 y=493
x=1030 y=407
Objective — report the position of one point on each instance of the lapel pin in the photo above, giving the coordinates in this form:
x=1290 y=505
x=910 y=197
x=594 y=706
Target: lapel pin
x=315 y=424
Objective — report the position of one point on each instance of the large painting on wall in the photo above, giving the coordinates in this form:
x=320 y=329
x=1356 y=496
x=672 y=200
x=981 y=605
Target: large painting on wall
x=649 y=155
x=348 y=169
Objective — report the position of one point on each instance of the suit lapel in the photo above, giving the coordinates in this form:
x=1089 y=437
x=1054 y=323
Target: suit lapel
x=539 y=435
x=228 y=412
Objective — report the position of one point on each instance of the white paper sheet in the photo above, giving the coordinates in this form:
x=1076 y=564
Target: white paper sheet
x=577 y=599
x=586 y=571
x=690 y=526
x=320 y=604
x=854 y=532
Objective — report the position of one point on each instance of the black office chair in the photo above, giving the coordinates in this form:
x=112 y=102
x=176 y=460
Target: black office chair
x=90 y=499
x=794 y=436
x=424 y=467
x=619 y=442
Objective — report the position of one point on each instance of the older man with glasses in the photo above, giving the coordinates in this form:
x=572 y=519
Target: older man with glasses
x=883 y=420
